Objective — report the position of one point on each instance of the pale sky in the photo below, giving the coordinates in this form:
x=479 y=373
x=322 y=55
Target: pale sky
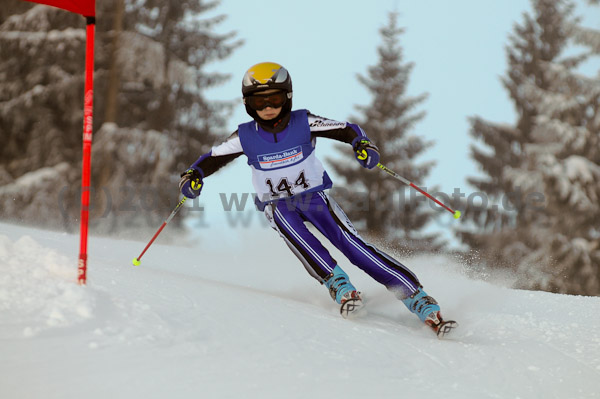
x=458 y=49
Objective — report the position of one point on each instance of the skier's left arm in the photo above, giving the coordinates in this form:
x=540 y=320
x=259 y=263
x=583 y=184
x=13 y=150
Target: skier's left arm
x=191 y=181
x=365 y=151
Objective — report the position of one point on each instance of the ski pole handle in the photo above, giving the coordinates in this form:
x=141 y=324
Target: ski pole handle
x=137 y=261
x=425 y=193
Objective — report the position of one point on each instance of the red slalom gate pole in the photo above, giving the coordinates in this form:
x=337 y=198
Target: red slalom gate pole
x=137 y=261
x=87 y=149
x=425 y=193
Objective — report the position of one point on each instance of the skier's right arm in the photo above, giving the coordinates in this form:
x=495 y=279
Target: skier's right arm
x=219 y=156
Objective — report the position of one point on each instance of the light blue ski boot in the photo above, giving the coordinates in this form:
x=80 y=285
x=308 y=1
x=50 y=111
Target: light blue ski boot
x=343 y=292
x=428 y=311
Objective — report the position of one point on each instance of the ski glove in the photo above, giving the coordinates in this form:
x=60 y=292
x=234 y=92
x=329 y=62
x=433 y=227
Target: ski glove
x=366 y=153
x=190 y=184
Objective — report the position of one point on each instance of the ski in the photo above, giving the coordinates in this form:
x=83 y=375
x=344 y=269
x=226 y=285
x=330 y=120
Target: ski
x=445 y=328
x=441 y=327
x=352 y=308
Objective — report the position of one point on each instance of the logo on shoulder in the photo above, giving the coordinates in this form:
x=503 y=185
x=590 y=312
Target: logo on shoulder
x=325 y=124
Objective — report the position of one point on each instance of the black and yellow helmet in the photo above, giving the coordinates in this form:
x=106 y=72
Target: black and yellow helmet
x=266 y=76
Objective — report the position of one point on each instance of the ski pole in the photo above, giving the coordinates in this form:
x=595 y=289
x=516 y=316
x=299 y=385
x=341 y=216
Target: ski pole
x=410 y=184
x=137 y=261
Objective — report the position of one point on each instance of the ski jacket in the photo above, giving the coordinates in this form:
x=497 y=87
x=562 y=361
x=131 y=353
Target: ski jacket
x=297 y=139
x=286 y=167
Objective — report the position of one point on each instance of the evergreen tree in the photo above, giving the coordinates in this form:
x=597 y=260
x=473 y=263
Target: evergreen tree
x=41 y=86
x=537 y=40
x=148 y=78
x=388 y=121
x=157 y=54
x=541 y=155
x=565 y=158
x=160 y=58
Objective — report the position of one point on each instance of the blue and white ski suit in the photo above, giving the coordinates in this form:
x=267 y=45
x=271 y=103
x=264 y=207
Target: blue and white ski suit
x=290 y=183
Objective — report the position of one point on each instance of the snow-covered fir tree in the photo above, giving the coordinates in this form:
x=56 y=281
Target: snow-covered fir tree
x=565 y=157
x=160 y=54
x=41 y=112
x=41 y=85
x=538 y=39
x=382 y=206
x=155 y=82
x=149 y=80
x=543 y=169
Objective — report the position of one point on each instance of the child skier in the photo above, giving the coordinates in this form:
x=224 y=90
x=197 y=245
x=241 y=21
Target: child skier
x=290 y=183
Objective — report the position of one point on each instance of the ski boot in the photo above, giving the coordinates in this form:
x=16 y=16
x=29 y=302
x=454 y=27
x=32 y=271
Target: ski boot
x=428 y=311
x=343 y=292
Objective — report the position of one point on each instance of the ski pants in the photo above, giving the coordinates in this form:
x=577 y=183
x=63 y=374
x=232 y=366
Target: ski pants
x=288 y=217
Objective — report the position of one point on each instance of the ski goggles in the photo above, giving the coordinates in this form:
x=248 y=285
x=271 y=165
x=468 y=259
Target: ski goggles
x=273 y=100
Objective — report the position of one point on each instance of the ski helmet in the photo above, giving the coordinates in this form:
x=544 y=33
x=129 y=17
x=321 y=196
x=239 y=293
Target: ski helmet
x=266 y=76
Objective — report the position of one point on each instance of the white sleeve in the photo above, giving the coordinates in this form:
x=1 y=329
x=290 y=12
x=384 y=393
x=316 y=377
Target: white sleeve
x=232 y=145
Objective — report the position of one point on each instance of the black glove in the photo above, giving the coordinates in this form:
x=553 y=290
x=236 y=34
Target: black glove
x=190 y=184
x=366 y=153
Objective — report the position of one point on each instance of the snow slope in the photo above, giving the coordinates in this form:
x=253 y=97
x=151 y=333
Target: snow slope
x=238 y=317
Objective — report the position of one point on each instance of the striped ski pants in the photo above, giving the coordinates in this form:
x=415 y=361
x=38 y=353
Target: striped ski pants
x=288 y=217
